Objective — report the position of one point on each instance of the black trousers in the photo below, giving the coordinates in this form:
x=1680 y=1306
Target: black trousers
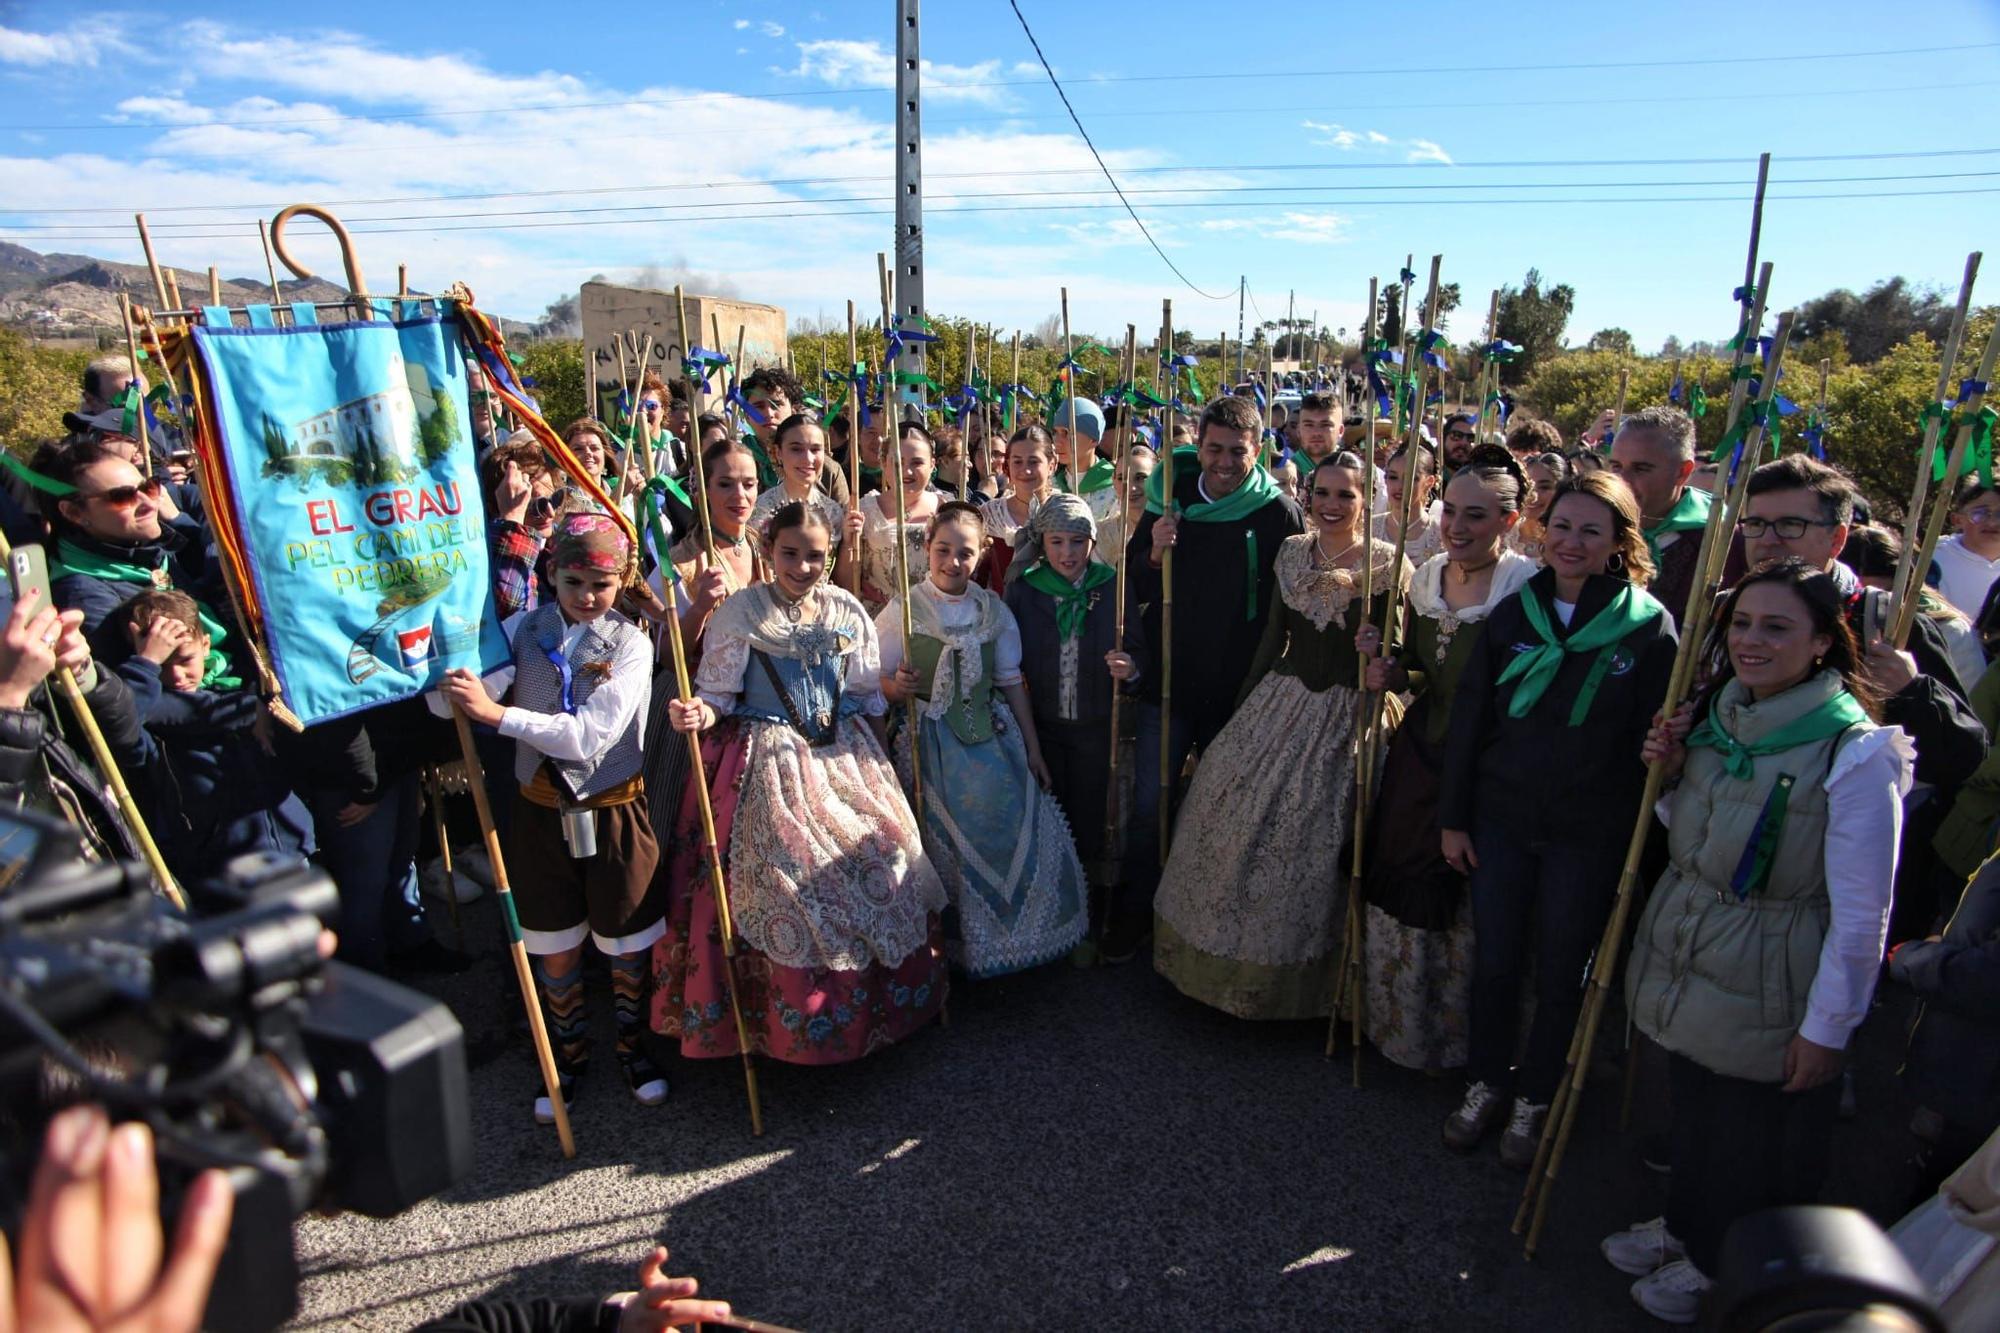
x=1079 y=758
x=1555 y=896
x=1739 y=1147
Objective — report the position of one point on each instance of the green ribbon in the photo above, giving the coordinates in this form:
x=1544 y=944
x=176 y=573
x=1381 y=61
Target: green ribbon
x=1978 y=446
x=1250 y=567
x=215 y=672
x=1632 y=609
x=1979 y=449
x=1689 y=514
x=73 y=559
x=46 y=485
x=1754 y=413
x=1831 y=717
x=767 y=471
x=1697 y=402
x=1095 y=477
x=1256 y=491
x=1072 y=600
x=652 y=508
x=129 y=400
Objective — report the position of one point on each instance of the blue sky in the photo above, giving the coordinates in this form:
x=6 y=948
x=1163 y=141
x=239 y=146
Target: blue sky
x=749 y=146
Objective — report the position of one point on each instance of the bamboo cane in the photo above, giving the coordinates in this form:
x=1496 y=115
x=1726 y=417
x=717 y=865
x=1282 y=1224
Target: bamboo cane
x=1913 y=516
x=153 y=263
x=626 y=384
x=854 y=392
x=1618 y=412
x=270 y=264
x=174 y=290
x=402 y=282
x=1014 y=399
x=214 y=286
x=697 y=404
x=1113 y=859
x=114 y=778
x=1364 y=758
x=1069 y=398
x=1906 y=607
x=524 y=976
x=892 y=440
x=1489 y=369
x=978 y=409
x=1561 y=1119
x=735 y=412
x=132 y=351
x=1166 y=802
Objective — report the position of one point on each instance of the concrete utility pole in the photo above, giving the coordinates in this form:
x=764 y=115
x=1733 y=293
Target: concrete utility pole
x=909 y=246
x=1242 y=285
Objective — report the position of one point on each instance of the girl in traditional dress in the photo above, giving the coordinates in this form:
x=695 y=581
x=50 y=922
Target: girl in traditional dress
x=1545 y=473
x=705 y=573
x=1540 y=787
x=1419 y=940
x=1247 y=918
x=1756 y=956
x=1064 y=598
x=996 y=836
x=879 y=530
x=1031 y=472
x=1421 y=540
x=801 y=449
x=835 y=904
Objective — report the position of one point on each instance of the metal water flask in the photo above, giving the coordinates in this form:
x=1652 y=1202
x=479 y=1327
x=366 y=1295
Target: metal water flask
x=579 y=828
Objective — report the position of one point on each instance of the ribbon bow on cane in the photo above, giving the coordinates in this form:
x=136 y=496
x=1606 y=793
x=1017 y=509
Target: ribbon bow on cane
x=748 y=408
x=701 y=363
x=1427 y=344
x=900 y=333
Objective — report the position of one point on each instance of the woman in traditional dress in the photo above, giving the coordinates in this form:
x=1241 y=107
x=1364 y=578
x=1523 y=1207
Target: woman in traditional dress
x=998 y=839
x=879 y=529
x=1421 y=540
x=835 y=904
x=802 y=455
x=1757 y=954
x=1540 y=787
x=705 y=573
x=1419 y=940
x=1247 y=918
x=1031 y=474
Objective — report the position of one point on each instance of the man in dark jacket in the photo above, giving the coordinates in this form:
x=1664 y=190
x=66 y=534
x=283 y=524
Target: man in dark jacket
x=1654 y=453
x=1800 y=507
x=1953 y=1065
x=1224 y=522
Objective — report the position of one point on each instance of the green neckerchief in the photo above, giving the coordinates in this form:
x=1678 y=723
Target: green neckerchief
x=1256 y=491
x=767 y=472
x=73 y=559
x=1095 y=477
x=215 y=672
x=1689 y=514
x=869 y=474
x=1828 y=718
x=1632 y=609
x=1072 y=600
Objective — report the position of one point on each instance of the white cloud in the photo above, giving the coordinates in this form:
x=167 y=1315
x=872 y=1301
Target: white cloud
x=1303 y=228
x=161 y=109
x=1332 y=134
x=82 y=43
x=740 y=24
x=842 y=62
x=770 y=29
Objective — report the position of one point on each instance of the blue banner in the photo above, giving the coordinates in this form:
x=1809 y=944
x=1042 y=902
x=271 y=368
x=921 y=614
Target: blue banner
x=353 y=478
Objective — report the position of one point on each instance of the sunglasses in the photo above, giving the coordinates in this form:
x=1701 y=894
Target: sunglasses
x=1465 y=435
x=124 y=497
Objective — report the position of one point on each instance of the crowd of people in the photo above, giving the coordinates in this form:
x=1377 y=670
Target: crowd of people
x=949 y=685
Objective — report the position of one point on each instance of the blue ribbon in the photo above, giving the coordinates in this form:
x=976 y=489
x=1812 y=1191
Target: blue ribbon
x=702 y=363
x=748 y=408
x=550 y=643
x=1966 y=388
x=1427 y=346
x=1675 y=390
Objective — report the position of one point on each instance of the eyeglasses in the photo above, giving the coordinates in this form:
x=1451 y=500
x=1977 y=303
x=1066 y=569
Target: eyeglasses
x=1464 y=435
x=1983 y=514
x=124 y=497
x=650 y=404
x=1791 y=529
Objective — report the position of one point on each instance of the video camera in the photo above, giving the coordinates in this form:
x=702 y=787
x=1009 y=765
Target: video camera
x=312 y=1084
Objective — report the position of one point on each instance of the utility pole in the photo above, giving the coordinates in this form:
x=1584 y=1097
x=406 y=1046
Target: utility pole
x=1242 y=286
x=909 y=247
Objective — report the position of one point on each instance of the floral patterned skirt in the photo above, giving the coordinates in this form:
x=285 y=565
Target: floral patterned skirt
x=1419 y=989
x=839 y=949
x=1248 y=915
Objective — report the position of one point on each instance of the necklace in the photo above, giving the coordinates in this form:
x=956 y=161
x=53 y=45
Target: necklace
x=1465 y=572
x=794 y=608
x=1322 y=560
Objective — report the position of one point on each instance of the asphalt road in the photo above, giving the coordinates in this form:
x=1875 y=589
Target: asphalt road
x=1077 y=1148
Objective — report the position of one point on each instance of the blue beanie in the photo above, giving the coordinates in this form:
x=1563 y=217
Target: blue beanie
x=1089 y=418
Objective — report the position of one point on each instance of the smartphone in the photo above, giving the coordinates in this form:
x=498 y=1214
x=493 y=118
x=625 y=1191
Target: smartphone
x=28 y=571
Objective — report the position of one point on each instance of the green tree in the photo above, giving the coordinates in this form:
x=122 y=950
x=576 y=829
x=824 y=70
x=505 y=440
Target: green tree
x=1610 y=340
x=1533 y=318
x=37 y=385
x=556 y=366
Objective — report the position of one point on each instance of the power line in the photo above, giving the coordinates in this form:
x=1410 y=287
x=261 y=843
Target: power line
x=1037 y=173
x=1133 y=213
x=1364 y=72
x=172 y=228
x=1731 y=198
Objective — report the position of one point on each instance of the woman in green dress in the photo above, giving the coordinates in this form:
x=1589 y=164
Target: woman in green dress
x=1247 y=918
x=1419 y=931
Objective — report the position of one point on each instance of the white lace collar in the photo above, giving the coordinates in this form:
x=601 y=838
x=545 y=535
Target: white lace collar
x=1427 y=588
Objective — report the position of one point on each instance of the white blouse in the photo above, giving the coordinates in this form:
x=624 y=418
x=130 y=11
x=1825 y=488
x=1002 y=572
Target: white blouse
x=956 y=612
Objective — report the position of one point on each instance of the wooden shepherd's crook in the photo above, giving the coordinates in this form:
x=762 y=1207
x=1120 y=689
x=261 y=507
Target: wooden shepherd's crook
x=1167 y=599
x=1113 y=859
x=357 y=286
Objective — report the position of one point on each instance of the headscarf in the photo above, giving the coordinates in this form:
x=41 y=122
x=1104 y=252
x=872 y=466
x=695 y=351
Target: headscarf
x=1061 y=512
x=589 y=541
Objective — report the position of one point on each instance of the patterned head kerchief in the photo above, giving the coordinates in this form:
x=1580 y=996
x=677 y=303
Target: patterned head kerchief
x=1061 y=512
x=589 y=541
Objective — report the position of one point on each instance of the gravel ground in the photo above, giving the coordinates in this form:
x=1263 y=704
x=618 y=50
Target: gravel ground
x=1076 y=1148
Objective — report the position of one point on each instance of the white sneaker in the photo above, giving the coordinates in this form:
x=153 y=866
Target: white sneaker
x=1524 y=1134
x=1672 y=1295
x=473 y=862
x=1643 y=1248
x=1465 y=1127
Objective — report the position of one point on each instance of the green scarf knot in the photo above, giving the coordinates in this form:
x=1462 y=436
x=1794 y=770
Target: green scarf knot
x=1256 y=491
x=1073 y=600
x=1689 y=514
x=1632 y=609
x=73 y=559
x=1831 y=717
